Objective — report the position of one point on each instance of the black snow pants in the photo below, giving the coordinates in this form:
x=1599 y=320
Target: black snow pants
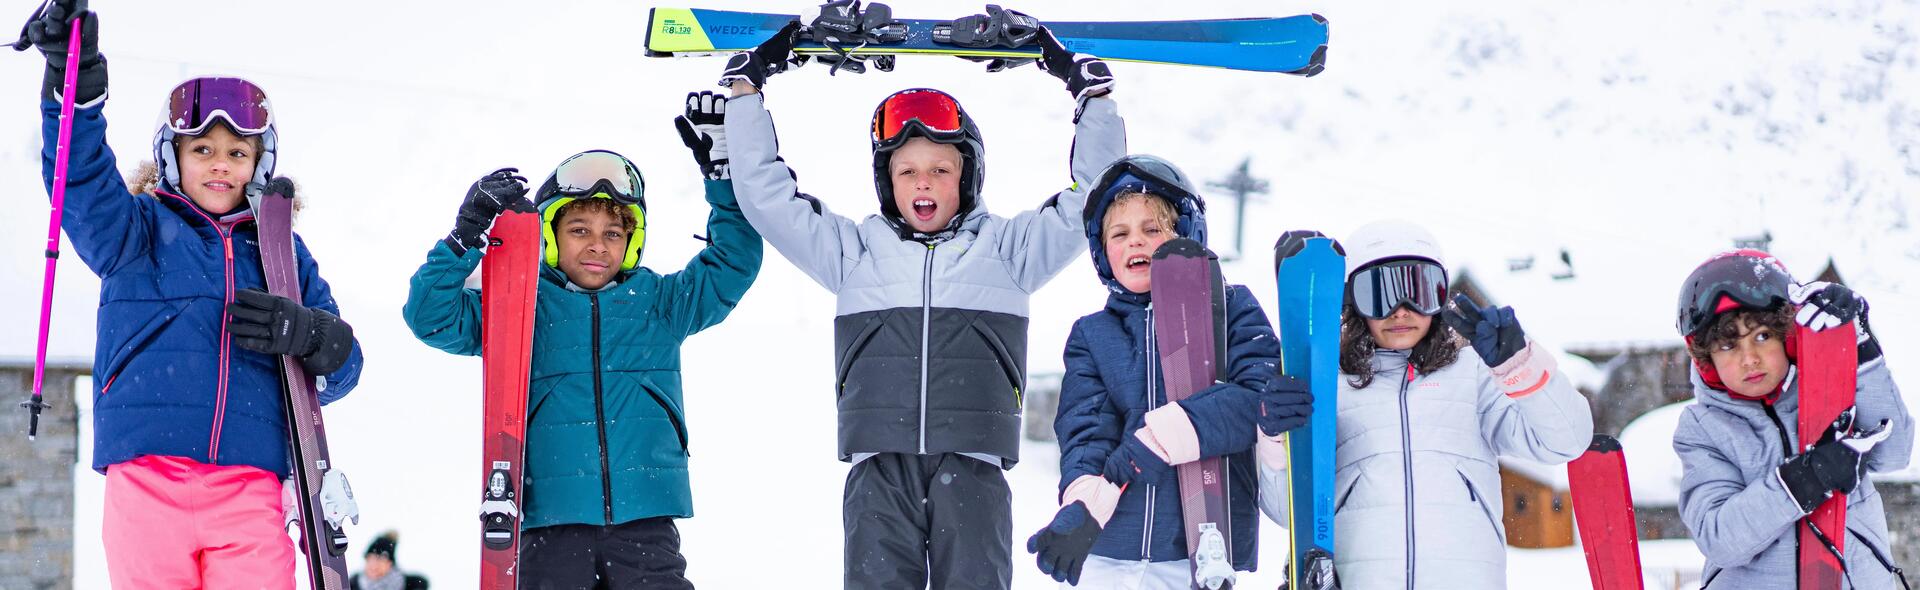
x=640 y=554
x=927 y=521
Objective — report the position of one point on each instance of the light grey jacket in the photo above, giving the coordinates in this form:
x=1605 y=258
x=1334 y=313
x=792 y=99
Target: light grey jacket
x=1733 y=503
x=1417 y=466
x=929 y=335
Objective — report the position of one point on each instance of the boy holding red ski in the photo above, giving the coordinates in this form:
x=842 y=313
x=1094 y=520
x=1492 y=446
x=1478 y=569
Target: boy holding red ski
x=1745 y=487
x=190 y=344
x=606 y=439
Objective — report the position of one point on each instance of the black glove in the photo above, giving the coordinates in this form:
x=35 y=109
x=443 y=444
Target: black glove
x=1086 y=76
x=1132 y=460
x=271 y=324
x=703 y=128
x=501 y=190
x=1284 y=404
x=1825 y=305
x=1494 y=332
x=1062 y=546
x=1832 y=465
x=771 y=57
x=48 y=30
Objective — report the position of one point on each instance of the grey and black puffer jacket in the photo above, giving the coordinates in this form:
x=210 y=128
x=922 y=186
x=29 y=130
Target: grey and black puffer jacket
x=1740 y=516
x=930 y=333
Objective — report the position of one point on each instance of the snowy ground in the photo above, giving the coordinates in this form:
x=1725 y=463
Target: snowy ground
x=1639 y=135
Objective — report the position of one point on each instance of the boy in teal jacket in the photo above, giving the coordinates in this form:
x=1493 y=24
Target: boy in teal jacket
x=606 y=438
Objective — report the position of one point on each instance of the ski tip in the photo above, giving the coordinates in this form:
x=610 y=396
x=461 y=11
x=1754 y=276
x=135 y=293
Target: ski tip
x=1315 y=64
x=1318 y=19
x=1293 y=242
x=1184 y=247
x=1604 y=444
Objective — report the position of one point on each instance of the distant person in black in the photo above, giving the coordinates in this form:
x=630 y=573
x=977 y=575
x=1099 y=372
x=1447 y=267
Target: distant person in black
x=381 y=572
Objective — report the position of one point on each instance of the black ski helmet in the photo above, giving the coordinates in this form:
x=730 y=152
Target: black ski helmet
x=1731 y=280
x=895 y=121
x=1146 y=174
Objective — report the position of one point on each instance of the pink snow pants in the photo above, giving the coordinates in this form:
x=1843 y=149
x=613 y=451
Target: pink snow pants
x=172 y=522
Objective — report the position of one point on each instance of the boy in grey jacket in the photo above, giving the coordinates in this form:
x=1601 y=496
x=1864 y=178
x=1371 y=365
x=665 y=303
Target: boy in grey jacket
x=931 y=326
x=1743 y=490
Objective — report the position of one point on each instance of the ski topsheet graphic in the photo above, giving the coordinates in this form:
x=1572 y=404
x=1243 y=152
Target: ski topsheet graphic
x=1827 y=364
x=509 y=276
x=1312 y=284
x=1294 y=44
x=1185 y=281
x=323 y=545
x=1603 y=510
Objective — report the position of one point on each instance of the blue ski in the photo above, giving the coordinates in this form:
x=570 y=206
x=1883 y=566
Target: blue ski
x=1312 y=285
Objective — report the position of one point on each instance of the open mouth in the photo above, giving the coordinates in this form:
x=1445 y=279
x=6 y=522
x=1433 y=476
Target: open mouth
x=923 y=209
x=218 y=185
x=1138 y=262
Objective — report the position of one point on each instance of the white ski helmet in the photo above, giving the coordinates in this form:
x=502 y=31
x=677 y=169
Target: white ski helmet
x=1390 y=239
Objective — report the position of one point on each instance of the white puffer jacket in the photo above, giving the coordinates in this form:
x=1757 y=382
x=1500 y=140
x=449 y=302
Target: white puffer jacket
x=1417 y=470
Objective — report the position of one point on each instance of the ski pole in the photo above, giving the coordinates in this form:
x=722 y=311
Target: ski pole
x=63 y=151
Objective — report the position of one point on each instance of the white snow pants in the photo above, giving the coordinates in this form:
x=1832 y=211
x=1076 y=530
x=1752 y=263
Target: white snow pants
x=1101 y=573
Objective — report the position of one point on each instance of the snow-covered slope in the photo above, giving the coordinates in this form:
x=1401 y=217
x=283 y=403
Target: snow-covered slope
x=1639 y=135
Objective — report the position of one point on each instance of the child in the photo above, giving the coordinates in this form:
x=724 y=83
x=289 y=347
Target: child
x=1743 y=488
x=930 y=341
x=188 y=410
x=606 y=462
x=1422 y=426
x=1118 y=434
x=383 y=569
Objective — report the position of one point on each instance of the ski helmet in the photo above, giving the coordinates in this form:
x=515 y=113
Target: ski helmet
x=594 y=174
x=935 y=115
x=196 y=104
x=1393 y=264
x=1143 y=174
x=1731 y=280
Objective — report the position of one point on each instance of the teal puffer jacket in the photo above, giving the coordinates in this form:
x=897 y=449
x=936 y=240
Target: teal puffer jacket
x=606 y=436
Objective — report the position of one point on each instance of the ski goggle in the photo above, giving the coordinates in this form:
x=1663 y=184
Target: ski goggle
x=196 y=104
x=596 y=172
x=1731 y=283
x=936 y=113
x=1419 y=285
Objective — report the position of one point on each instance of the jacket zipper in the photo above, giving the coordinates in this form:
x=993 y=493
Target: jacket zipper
x=1153 y=376
x=600 y=413
x=1406 y=465
x=926 y=327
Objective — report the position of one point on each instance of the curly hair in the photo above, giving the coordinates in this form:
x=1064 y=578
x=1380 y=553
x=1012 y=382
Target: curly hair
x=617 y=211
x=1435 y=350
x=1726 y=328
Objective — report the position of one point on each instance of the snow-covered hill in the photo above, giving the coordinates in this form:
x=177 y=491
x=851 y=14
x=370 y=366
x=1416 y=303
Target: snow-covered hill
x=1638 y=135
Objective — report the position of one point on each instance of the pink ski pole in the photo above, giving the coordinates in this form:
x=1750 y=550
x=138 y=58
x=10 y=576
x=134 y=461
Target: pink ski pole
x=62 y=152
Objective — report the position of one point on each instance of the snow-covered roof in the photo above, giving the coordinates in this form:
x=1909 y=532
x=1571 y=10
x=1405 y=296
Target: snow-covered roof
x=1553 y=476
x=1653 y=469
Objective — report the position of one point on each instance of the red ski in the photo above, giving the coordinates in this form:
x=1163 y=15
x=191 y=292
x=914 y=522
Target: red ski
x=1827 y=361
x=1603 y=509
x=510 y=276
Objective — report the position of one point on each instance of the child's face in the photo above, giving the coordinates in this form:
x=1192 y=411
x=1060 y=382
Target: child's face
x=215 y=168
x=926 y=183
x=1752 y=364
x=1401 y=330
x=1131 y=234
x=592 y=245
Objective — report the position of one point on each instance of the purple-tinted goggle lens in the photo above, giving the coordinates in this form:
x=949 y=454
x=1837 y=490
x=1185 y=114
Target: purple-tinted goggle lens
x=197 y=103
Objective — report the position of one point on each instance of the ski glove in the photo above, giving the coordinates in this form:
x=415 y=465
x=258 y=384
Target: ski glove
x=1494 y=332
x=1825 y=305
x=1284 y=404
x=1086 y=76
x=270 y=324
x=501 y=190
x=1832 y=465
x=772 y=57
x=48 y=30
x=1063 y=545
x=703 y=128
x=1131 y=461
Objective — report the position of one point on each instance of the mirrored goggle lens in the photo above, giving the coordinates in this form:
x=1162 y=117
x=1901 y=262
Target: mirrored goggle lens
x=1747 y=294
x=196 y=104
x=934 y=110
x=1419 y=285
x=593 y=172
